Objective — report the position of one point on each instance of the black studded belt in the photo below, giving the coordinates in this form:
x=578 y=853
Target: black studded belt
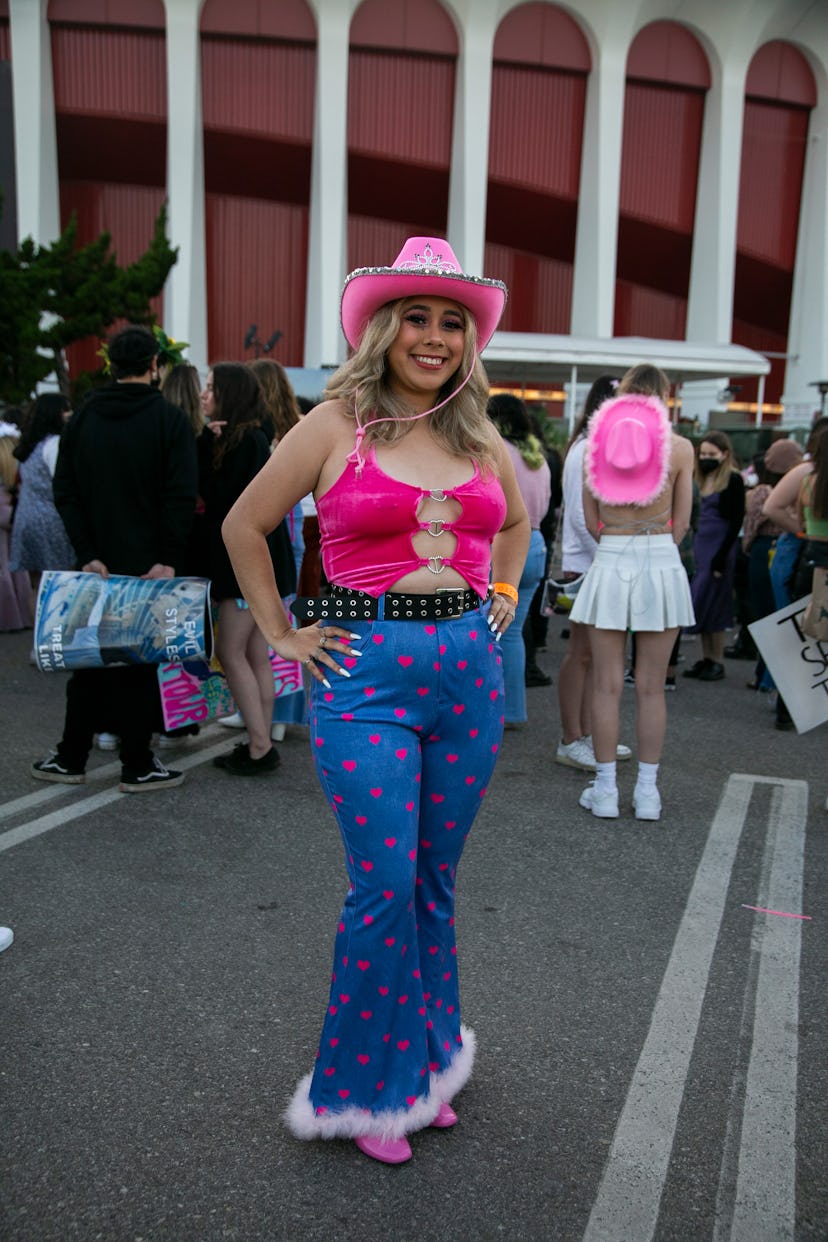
x=341 y=604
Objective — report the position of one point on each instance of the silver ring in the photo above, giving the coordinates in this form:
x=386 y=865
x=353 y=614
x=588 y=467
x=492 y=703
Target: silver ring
x=309 y=660
x=322 y=642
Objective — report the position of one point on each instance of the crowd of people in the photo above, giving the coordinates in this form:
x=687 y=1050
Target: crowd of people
x=387 y=552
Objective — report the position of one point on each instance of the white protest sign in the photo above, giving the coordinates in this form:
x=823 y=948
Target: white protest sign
x=797 y=663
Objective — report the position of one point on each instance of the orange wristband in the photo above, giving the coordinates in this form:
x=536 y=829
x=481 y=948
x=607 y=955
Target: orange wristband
x=503 y=588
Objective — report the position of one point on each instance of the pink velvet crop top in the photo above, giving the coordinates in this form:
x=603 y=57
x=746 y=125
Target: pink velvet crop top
x=367 y=522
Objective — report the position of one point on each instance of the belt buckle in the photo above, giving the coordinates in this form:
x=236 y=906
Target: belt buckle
x=456 y=607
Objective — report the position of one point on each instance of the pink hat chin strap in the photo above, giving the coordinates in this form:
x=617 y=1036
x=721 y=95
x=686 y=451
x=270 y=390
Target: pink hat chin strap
x=355 y=455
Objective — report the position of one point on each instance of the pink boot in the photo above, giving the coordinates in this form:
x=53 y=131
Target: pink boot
x=388 y=1151
x=446 y=1117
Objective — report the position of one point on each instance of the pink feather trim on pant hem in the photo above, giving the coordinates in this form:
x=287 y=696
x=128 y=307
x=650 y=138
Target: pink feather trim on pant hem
x=305 y=1123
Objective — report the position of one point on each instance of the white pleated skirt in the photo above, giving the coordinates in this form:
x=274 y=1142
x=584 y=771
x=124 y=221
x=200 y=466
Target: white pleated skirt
x=636 y=582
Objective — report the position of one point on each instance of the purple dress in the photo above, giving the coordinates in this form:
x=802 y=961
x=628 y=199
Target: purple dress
x=712 y=597
x=39 y=539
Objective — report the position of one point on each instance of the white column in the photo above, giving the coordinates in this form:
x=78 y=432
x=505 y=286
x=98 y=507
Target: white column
x=185 y=293
x=712 y=271
x=808 y=326
x=596 y=238
x=328 y=223
x=468 y=180
x=35 y=140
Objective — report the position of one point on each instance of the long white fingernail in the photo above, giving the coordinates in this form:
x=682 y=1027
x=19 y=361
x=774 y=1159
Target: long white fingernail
x=498 y=636
x=343 y=672
x=355 y=636
x=326 y=683
x=351 y=651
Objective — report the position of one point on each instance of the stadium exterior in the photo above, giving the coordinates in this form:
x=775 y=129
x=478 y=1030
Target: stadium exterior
x=631 y=168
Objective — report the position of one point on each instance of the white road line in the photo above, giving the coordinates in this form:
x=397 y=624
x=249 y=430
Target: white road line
x=48 y=794
x=85 y=806
x=765 y=1189
x=627 y=1203
x=94 y=776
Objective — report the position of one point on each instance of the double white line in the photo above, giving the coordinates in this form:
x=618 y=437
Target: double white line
x=763 y=1201
x=88 y=803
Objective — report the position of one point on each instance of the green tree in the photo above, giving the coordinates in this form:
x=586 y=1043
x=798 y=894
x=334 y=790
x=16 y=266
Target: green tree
x=52 y=296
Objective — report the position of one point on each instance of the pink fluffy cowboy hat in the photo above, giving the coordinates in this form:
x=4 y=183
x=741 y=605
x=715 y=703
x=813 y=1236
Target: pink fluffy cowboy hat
x=628 y=450
x=425 y=266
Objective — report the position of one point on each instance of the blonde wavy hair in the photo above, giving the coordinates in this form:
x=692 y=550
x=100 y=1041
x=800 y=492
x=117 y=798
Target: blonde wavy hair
x=461 y=426
x=646 y=380
x=8 y=465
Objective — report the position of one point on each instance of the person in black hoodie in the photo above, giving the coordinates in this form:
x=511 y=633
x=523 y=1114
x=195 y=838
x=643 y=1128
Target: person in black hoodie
x=125 y=486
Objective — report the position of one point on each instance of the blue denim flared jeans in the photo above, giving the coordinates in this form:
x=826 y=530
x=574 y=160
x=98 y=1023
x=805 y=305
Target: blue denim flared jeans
x=404 y=750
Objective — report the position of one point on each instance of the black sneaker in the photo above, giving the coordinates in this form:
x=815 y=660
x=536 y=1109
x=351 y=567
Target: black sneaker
x=52 y=769
x=712 y=672
x=239 y=762
x=537 y=677
x=697 y=669
x=238 y=754
x=156 y=776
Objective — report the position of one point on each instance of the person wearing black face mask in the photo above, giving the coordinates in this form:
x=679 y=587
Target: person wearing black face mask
x=722 y=511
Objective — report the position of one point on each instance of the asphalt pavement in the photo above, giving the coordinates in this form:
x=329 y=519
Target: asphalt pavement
x=651 y=1042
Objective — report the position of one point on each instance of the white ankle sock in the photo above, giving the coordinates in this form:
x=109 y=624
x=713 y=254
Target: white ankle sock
x=647 y=774
x=605 y=777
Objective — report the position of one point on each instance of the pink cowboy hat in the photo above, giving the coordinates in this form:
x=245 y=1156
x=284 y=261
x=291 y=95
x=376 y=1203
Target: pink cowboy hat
x=425 y=266
x=628 y=450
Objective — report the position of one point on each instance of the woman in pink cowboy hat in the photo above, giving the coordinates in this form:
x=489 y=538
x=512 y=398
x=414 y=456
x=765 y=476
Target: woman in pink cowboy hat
x=638 y=491
x=417 y=504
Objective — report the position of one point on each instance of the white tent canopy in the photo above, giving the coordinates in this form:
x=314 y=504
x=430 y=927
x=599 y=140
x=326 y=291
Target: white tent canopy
x=534 y=358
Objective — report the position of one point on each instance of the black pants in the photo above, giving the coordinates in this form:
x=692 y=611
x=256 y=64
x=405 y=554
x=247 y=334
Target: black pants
x=114 y=700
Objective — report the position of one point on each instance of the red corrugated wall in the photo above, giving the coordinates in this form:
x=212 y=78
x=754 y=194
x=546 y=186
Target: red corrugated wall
x=539 y=78
x=400 y=109
x=258 y=87
x=780 y=93
x=257 y=261
x=659 y=175
x=109 y=72
x=111 y=107
x=540 y=289
x=128 y=213
x=258 y=128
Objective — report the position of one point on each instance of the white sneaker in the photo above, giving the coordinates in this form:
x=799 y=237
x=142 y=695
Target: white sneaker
x=647 y=805
x=108 y=741
x=179 y=738
x=577 y=754
x=277 y=730
x=604 y=805
x=622 y=752
x=6 y=937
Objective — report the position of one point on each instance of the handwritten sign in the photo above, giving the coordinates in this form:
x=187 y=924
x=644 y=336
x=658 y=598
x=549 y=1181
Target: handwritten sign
x=797 y=663
x=191 y=692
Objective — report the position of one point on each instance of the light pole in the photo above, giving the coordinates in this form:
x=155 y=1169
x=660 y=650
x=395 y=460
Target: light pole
x=822 y=385
x=251 y=340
